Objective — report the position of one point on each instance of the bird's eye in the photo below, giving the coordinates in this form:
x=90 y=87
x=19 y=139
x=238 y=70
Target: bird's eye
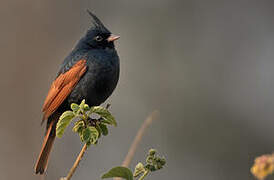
x=98 y=38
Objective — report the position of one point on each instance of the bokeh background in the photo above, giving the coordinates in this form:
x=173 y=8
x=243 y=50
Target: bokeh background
x=207 y=66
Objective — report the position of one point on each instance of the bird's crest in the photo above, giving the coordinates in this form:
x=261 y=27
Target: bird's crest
x=97 y=24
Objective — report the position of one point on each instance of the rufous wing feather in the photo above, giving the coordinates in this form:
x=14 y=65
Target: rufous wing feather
x=62 y=87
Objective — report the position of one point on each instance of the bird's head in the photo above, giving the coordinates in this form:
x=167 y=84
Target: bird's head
x=98 y=36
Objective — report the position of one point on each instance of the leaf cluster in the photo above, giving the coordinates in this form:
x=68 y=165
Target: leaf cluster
x=88 y=129
x=153 y=163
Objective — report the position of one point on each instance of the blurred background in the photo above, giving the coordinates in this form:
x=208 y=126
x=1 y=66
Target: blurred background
x=207 y=66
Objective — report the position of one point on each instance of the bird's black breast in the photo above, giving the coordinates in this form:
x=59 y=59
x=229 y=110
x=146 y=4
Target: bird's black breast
x=100 y=79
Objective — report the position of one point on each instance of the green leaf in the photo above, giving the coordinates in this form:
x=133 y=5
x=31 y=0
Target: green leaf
x=160 y=162
x=86 y=107
x=97 y=126
x=94 y=134
x=86 y=135
x=119 y=171
x=104 y=129
x=67 y=114
x=152 y=152
x=139 y=169
x=150 y=167
x=82 y=104
x=74 y=107
x=109 y=121
x=63 y=122
x=78 y=127
x=104 y=113
x=90 y=135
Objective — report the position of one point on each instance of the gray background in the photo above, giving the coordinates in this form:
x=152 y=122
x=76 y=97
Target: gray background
x=207 y=66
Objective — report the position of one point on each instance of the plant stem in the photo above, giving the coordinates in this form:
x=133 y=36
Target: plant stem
x=137 y=140
x=76 y=163
x=139 y=137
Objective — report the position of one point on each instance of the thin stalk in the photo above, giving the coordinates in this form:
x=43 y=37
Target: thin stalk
x=76 y=163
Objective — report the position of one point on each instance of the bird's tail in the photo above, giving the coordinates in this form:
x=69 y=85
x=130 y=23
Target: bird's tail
x=43 y=158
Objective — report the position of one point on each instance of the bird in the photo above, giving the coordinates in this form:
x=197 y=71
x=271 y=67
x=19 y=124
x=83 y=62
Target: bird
x=90 y=71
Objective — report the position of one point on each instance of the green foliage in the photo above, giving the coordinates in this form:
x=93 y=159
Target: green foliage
x=153 y=163
x=74 y=107
x=106 y=116
x=89 y=130
x=63 y=122
x=90 y=135
x=119 y=171
x=139 y=169
x=78 y=127
x=104 y=129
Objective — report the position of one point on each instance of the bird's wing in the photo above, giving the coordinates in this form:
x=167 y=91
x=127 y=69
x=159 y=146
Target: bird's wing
x=62 y=87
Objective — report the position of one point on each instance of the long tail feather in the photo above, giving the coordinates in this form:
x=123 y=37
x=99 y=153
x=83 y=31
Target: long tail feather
x=43 y=158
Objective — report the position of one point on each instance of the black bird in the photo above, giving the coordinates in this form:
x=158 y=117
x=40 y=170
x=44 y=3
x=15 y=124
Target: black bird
x=90 y=72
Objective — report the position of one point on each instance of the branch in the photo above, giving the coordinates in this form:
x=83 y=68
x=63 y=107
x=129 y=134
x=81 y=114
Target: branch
x=139 y=137
x=76 y=163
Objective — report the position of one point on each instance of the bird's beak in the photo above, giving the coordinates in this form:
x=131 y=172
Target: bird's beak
x=113 y=38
